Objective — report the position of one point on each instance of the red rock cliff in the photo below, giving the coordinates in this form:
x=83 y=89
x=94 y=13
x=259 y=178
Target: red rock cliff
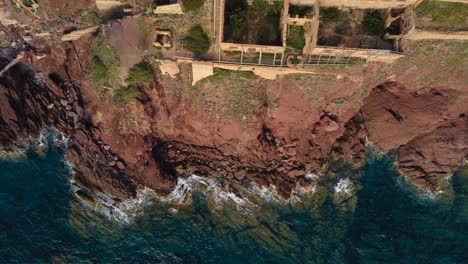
x=148 y=142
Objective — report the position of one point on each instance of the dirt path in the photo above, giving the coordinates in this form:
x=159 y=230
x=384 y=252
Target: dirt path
x=427 y=34
x=364 y=4
x=131 y=44
x=456 y=1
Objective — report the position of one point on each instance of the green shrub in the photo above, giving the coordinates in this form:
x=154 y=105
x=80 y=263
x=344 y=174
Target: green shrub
x=125 y=95
x=140 y=73
x=192 y=5
x=98 y=71
x=338 y=101
x=330 y=14
x=219 y=75
x=143 y=28
x=275 y=103
x=295 y=60
x=91 y=18
x=296 y=38
x=197 y=41
x=153 y=5
x=237 y=20
x=344 y=28
x=373 y=23
x=263 y=6
x=104 y=63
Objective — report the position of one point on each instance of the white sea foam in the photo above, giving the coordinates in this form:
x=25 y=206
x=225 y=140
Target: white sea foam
x=122 y=211
x=125 y=211
x=48 y=137
x=298 y=193
x=187 y=185
x=311 y=176
x=344 y=187
x=372 y=150
x=436 y=194
x=267 y=193
x=41 y=140
x=270 y=193
x=182 y=192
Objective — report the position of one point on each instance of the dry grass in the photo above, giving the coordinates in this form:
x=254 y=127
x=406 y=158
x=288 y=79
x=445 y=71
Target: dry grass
x=449 y=56
x=433 y=14
x=312 y=86
x=234 y=93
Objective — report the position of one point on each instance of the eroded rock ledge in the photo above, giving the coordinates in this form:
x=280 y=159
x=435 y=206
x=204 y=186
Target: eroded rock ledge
x=431 y=140
x=427 y=133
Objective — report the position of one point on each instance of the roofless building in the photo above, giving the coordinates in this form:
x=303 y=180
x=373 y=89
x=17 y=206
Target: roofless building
x=279 y=32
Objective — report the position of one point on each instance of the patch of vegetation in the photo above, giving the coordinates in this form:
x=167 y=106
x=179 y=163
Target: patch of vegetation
x=275 y=103
x=444 y=15
x=145 y=6
x=196 y=40
x=143 y=28
x=269 y=31
x=264 y=6
x=234 y=93
x=244 y=96
x=152 y=4
x=330 y=14
x=125 y=95
x=140 y=73
x=219 y=75
x=296 y=38
x=358 y=95
x=373 y=23
x=257 y=23
x=330 y=41
x=300 y=11
x=238 y=23
x=192 y=5
x=295 y=60
x=15 y=6
x=338 y=101
x=177 y=86
x=312 y=87
x=344 y=28
x=91 y=18
x=104 y=60
x=450 y=55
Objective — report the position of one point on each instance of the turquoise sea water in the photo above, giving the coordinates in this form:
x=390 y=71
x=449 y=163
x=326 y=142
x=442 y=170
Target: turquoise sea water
x=387 y=223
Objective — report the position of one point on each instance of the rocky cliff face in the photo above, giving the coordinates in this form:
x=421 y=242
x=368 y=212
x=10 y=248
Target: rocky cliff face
x=33 y=100
x=430 y=140
x=117 y=149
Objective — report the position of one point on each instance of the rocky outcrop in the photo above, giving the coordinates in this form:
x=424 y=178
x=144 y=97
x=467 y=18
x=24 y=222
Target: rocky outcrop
x=148 y=142
x=32 y=100
x=429 y=157
x=430 y=139
x=394 y=115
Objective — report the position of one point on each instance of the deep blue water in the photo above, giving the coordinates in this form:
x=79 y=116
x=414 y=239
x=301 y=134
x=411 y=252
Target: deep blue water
x=391 y=223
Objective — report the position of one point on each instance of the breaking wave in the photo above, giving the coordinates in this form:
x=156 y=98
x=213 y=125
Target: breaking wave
x=205 y=221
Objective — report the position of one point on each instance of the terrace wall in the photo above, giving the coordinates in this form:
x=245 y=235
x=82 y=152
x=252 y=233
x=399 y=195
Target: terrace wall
x=369 y=4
